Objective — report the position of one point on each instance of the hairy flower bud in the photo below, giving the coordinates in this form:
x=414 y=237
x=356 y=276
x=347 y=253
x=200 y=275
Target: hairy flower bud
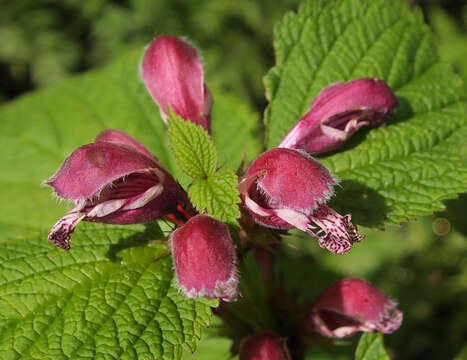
x=266 y=346
x=173 y=75
x=338 y=111
x=114 y=180
x=204 y=258
x=352 y=305
x=286 y=188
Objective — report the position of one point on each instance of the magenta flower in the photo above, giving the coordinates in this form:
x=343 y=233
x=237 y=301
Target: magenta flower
x=352 y=305
x=173 y=75
x=286 y=188
x=114 y=180
x=338 y=112
x=204 y=258
x=266 y=346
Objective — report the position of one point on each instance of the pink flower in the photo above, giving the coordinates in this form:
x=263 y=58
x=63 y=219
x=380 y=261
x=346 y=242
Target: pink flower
x=114 y=180
x=286 y=188
x=173 y=75
x=352 y=305
x=338 y=112
x=266 y=346
x=204 y=258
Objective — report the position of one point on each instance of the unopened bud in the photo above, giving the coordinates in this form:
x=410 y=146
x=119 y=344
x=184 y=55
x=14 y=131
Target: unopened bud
x=266 y=346
x=173 y=75
x=204 y=258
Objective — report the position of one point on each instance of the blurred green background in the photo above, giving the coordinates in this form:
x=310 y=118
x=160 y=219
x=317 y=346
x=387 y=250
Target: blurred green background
x=422 y=264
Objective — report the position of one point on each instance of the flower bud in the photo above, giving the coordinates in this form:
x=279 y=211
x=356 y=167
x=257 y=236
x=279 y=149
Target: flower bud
x=173 y=75
x=204 y=259
x=338 y=111
x=266 y=346
x=114 y=180
x=286 y=188
x=352 y=305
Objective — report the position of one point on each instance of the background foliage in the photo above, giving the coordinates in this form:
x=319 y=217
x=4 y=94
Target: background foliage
x=422 y=264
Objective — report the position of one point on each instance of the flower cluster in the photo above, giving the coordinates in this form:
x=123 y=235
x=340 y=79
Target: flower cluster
x=116 y=180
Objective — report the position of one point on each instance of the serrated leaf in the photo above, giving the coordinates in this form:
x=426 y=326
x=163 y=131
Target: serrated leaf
x=213 y=345
x=39 y=130
x=218 y=195
x=102 y=299
x=391 y=174
x=371 y=347
x=192 y=147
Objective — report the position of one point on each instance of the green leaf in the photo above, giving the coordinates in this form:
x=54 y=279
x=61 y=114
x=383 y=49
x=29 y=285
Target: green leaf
x=390 y=174
x=192 y=147
x=371 y=347
x=218 y=195
x=213 y=344
x=110 y=296
x=39 y=130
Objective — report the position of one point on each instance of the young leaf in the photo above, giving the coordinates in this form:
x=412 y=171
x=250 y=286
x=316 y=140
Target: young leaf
x=103 y=299
x=218 y=195
x=192 y=147
x=394 y=173
x=371 y=347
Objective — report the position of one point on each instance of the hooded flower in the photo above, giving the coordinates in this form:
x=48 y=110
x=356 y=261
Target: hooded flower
x=285 y=189
x=114 y=180
x=352 y=305
x=173 y=75
x=338 y=112
x=204 y=258
x=266 y=346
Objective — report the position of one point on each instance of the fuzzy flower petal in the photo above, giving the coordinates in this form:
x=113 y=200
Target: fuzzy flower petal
x=114 y=180
x=352 y=305
x=338 y=112
x=286 y=188
x=204 y=258
x=173 y=75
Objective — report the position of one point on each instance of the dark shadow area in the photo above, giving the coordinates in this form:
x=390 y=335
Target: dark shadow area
x=402 y=113
x=151 y=232
x=367 y=206
x=456 y=213
x=280 y=301
x=428 y=287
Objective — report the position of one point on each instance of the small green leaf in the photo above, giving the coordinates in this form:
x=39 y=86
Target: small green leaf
x=111 y=296
x=218 y=195
x=390 y=174
x=192 y=146
x=371 y=347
